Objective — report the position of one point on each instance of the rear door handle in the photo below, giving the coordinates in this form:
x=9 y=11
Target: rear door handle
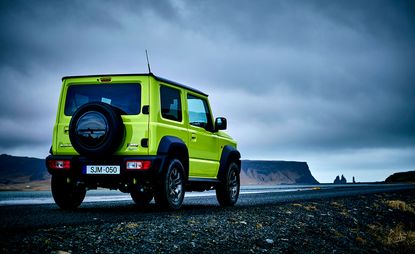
x=194 y=137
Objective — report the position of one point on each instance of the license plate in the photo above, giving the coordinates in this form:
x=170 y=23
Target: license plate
x=102 y=170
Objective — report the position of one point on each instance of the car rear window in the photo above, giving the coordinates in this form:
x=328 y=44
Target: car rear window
x=125 y=97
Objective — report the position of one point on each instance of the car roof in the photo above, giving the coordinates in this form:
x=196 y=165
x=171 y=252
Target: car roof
x=142 y=74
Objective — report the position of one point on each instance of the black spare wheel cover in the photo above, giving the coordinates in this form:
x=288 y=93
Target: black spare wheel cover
x=96 y=129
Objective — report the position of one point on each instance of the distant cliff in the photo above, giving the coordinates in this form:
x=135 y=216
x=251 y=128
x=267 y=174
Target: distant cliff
x=14 y=169
x=276 y=172
x=402 y=177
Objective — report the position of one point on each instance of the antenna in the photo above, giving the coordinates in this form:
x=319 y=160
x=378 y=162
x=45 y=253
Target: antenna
x=148 y=63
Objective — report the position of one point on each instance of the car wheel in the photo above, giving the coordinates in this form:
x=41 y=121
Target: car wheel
x=141 y=198
x=170 y=192
x=96 y=129
x=66 y=195
x=227 y=192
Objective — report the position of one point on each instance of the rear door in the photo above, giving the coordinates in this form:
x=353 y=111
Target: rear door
x=126 y=93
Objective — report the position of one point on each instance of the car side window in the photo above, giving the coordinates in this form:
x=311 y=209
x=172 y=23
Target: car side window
x=171 y=105
x=199 y=114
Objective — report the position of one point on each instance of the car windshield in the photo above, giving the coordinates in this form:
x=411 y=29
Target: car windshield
x=125 y=97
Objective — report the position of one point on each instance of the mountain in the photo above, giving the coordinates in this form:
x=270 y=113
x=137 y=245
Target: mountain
x=276 y=172
x=401 y=177
x=15 y=169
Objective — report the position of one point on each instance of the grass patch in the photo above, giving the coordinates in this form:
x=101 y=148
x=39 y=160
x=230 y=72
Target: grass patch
x=360 y=240
x=131 y=225
x=398 y=235
x=400 y=205
x=308 y=207
x=336 y=204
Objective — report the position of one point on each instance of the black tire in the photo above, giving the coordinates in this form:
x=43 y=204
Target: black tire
x=96 y=129
x=141 y=198
x=227 y=192
x=66 y=195
x=170 y=191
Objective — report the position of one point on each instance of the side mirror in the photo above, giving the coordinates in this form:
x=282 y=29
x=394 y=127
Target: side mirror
x=220 y=123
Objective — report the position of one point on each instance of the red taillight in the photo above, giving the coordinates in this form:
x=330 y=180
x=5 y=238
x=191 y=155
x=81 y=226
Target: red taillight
x=59 y=164
x=137 y=165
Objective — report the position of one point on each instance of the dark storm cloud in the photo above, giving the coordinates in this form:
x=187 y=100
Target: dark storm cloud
x=37 y=33
x=31 y=30
x=348 y=65
x=36 y=38
x=295 y=78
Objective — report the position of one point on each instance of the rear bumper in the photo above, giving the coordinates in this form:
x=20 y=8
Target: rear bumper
x=122 y=181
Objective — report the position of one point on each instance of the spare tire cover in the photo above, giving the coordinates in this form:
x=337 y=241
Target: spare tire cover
x=96 y=129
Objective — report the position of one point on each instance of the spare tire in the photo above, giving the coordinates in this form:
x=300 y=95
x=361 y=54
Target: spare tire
x=96 y=129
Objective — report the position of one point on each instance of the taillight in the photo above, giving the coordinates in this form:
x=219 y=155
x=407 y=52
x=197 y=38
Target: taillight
x=138 y=165
x=59 y=164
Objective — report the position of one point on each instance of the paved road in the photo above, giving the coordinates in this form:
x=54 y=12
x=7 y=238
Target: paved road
x=119 y=208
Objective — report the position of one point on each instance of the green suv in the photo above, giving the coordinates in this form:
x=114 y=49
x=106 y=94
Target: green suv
x=143 y=135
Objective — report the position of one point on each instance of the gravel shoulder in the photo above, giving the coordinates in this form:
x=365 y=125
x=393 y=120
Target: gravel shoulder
x=375 y=223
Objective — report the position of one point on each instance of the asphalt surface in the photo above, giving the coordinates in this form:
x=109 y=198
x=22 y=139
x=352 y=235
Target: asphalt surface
x=32 y=216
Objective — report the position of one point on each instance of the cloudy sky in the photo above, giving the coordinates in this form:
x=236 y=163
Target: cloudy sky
x=327 y=82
